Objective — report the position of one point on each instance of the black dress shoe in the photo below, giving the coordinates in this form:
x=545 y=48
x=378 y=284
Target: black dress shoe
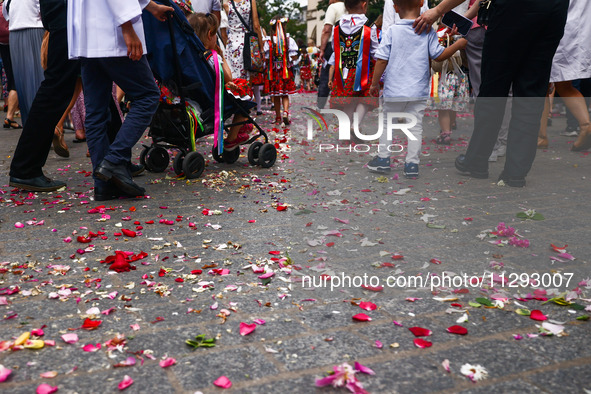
x=513 y=181
x=464 y=169
x=136 y=169
x=109 y=192
x=120 y=176
x=38 y=184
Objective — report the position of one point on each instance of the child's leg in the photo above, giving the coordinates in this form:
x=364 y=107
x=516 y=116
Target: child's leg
x=277 y=107
x=257 y=96
x=285 y=100
x=234 y=130
x=445 y=120
x=417 y=109
x=385 y=142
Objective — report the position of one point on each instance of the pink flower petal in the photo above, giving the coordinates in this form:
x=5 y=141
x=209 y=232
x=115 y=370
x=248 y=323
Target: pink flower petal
x=420 y=331
x=167 y=362
x=537 y=315
x=91 y=348
x=4 y=373
x=38 y=332
x=361 y=317
x=457 y=330
x=223 y=382
x=326 y=381
x=246 y=329
x=135 y=327
x=421 y=343
x=125 y=383
x=44 y=388
x=19 y=225
x=363 y=369
x=70 y=338
x=48 y=375
x=379 y=344
x=260 y=322
x=445 y=364
x=368 y=306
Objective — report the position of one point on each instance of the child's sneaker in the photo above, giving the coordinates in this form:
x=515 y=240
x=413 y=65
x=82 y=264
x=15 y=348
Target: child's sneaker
x=241 y=138
x=411 y=170
x=380 y=165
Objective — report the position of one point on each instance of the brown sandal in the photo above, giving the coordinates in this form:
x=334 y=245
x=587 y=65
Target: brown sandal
x=59 y=145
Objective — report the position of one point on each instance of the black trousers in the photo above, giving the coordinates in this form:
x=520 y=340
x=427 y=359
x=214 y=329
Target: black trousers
x=518 y=50
x=323 y=89
x=49 y=105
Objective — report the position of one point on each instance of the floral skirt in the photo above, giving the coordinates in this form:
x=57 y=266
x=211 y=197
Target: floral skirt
x=347 y=95
x=306 y=73
x=257 y=78
x=453 y=93
x=280 y=86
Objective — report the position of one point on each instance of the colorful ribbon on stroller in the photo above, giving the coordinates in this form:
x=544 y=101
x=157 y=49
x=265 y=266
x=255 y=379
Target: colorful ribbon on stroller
x=218 y=125
x=363 y=60
x=194 y=122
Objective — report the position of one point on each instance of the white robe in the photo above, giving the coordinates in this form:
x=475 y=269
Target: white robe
x=94 y=27
x=573 y=56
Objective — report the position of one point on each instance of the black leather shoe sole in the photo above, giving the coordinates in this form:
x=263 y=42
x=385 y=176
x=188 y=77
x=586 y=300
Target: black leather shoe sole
x=465 y=170
x=39 y=184
x=126 y=185
x=512 y=181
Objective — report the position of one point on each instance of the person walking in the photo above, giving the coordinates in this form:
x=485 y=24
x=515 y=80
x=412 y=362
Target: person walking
x=26 y=35
x=520 y=57
x=106 y=58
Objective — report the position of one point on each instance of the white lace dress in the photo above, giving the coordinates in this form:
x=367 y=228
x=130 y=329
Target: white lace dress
x=236 y=32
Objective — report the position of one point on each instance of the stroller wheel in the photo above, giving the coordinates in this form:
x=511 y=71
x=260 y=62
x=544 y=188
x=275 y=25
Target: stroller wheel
x=216 y=156
x=193 y=165
x=177 y=163
x=230 y=156
x=253 y=153
x=157 y=159
x=267 y=155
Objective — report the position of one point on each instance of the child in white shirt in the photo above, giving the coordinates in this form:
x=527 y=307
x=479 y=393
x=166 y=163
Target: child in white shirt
x=404 y=56
x=108 y=37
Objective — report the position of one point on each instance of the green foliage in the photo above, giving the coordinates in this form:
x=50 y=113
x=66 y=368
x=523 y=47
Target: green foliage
x=291 y=9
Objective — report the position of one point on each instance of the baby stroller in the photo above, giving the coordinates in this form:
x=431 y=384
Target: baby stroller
x=176 y=56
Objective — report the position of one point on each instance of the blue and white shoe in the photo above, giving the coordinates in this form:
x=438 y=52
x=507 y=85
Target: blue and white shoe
x=380 y=165
x=411 y=170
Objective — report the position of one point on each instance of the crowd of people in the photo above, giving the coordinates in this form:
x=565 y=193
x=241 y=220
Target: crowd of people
x=62 y=60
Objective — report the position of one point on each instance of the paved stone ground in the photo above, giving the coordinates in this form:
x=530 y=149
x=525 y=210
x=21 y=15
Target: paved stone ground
x=340 y=220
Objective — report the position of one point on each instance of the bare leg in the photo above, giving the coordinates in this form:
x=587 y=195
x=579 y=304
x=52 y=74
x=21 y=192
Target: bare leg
x=277 y=106
x=446 y=118
x=12 y=103
x=576 y=104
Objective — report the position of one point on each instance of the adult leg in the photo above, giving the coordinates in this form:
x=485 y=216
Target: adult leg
x=137 y=81
x=323 y=89
x=12 y=99
x=544 y=23
x=50 y=103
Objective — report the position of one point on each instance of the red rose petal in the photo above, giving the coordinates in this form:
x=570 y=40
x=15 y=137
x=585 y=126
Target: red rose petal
x=128 y=233
x=421 y=343
x=420 y=331
x=368 y=306
x=370 y=288
x=90 y=324
x=459 y=330
x=246 y=329
x=223 y=382
x=538 y=315
x=361 y=317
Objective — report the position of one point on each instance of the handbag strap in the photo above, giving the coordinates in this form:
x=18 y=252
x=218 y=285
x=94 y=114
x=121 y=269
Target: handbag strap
x=246 y=26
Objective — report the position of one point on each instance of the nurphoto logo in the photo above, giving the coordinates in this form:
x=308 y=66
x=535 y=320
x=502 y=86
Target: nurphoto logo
x=394 y=121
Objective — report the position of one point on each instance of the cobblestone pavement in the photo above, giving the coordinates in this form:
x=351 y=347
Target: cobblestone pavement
x=241 y=244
